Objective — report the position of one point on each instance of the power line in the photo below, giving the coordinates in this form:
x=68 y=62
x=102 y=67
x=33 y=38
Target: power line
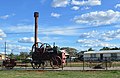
x=77 y=28
x=19 y=32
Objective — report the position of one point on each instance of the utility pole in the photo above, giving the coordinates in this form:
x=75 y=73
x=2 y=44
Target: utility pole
x=36 y=15
x=5 y=50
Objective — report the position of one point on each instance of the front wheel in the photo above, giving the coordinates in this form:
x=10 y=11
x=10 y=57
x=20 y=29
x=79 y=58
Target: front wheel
x=35 y=65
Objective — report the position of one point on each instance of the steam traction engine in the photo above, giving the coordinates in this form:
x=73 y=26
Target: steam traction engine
x=42 y=52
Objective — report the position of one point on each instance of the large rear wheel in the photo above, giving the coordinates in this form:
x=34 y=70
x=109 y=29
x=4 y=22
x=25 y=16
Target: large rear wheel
x=56 y=62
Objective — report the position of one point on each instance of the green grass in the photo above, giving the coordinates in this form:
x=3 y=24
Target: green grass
x=59 y=74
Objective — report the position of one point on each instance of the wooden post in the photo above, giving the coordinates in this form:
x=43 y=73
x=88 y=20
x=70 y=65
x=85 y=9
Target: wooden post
x=106 y=63
x=83 y=63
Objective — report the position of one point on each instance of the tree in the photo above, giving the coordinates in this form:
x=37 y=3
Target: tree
x=90 y=49
x=107 y=48
x=115 y=48
x=71 y=51
x=17 y=57
x=23 y=55
x=11 y=55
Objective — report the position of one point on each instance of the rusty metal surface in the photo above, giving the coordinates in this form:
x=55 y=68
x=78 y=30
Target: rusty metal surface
x=36 y=15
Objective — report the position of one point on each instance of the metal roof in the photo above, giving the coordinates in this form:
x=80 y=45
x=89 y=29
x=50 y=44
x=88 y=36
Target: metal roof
x=102 y=52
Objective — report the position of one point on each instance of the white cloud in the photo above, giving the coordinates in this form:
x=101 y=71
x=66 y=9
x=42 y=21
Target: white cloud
x=85 y=8
x=60 y=31
x=64 y=3
x=94 y=43
x=86 y=3
x=48 y=39
x=20 y=28
x=18 y=48
x=98 y=18
x=60 y=3
x=99 y=39
x=27 y=40
x=85 y=41
x=1 y=38
x=103 y=36
x=104 y=44
x=91 y=34
x=6 y=16
x=56 y=15
x=75 y=8
x=110 y=35
x=2 y=33
x=117 y=6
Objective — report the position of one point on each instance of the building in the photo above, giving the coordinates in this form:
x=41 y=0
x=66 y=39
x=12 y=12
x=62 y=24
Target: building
x=2 y=56
x=113 y=55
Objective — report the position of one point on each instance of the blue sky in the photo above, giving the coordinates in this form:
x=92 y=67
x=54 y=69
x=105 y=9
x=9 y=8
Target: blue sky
x=80 y=24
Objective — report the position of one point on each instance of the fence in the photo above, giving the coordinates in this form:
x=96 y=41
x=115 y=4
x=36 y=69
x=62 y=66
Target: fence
x=88 y=63
x=95 y=63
